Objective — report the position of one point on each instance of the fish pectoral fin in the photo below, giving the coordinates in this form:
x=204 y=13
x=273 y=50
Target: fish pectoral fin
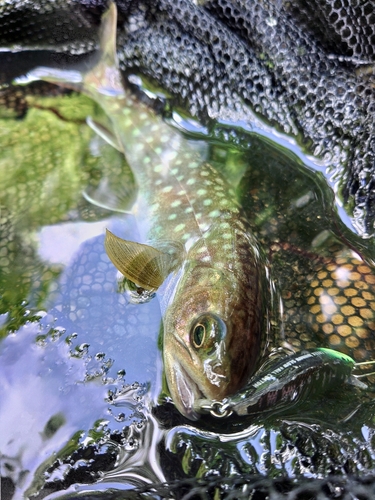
x=144 y=265
x=104 y=133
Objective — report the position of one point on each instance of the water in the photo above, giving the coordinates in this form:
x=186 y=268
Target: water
x=83 y=406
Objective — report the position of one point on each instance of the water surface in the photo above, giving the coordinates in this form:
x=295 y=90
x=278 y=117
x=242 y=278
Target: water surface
x=83 y=408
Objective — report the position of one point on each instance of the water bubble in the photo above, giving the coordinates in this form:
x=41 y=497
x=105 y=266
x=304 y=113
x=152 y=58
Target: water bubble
x=70 y=338
x=80 y=350
x=40 y=340
x=56 y=332
x=120 y=417
x=131 y=444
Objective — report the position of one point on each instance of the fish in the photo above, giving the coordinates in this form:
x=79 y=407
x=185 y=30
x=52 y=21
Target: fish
x=197 y=250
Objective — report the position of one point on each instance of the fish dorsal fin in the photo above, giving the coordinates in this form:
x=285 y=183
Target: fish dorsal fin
x=144 y=265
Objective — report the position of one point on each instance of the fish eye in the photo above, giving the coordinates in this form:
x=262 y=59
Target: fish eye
x=207 y=330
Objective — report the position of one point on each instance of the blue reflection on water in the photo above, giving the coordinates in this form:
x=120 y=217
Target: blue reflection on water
x=65 y=364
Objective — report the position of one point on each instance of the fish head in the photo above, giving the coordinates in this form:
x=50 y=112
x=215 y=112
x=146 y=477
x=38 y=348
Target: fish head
x=211 y=339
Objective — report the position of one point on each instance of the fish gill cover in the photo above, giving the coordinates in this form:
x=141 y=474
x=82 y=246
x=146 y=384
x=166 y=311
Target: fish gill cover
x=221 y=60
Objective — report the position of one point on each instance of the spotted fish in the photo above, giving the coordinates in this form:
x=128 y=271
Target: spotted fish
x=197 y=248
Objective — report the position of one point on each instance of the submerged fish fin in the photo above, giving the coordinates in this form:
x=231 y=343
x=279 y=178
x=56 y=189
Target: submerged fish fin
x=144 y=265
x=105 y=205
x=104 y=133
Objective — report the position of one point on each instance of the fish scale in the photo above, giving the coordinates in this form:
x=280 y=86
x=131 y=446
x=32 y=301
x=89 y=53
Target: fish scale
x=197 y=247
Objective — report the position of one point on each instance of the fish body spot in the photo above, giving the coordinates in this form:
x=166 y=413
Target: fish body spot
x=172 y=216
x=201 y=192
x=180 y=227
x=176 y=203
x=172 y=155
x=167 y=189
x=224 y=203
x=190 y=182
x=207 y=202
x=202 y=250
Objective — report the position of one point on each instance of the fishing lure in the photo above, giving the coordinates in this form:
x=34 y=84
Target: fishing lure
x=288 y=382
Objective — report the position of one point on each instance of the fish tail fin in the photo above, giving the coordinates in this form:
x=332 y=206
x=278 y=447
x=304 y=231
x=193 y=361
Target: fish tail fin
x=108 y=30
x=104 y=77
x=100 y=78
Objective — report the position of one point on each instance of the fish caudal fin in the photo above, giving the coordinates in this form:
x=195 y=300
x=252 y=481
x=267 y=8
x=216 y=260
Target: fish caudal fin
x=100 y=79
x=104 y=77
x=108 y=30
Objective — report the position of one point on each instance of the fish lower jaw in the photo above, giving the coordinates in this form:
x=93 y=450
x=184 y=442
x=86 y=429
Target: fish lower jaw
x=188 y=393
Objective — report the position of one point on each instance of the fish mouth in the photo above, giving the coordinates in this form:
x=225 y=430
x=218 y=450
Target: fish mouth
x=188 y=392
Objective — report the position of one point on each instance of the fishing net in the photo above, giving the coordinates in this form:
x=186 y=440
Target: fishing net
x=304 y=68
x=257 y=488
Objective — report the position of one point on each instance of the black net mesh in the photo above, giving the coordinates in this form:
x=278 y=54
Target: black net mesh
x=258 y=488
